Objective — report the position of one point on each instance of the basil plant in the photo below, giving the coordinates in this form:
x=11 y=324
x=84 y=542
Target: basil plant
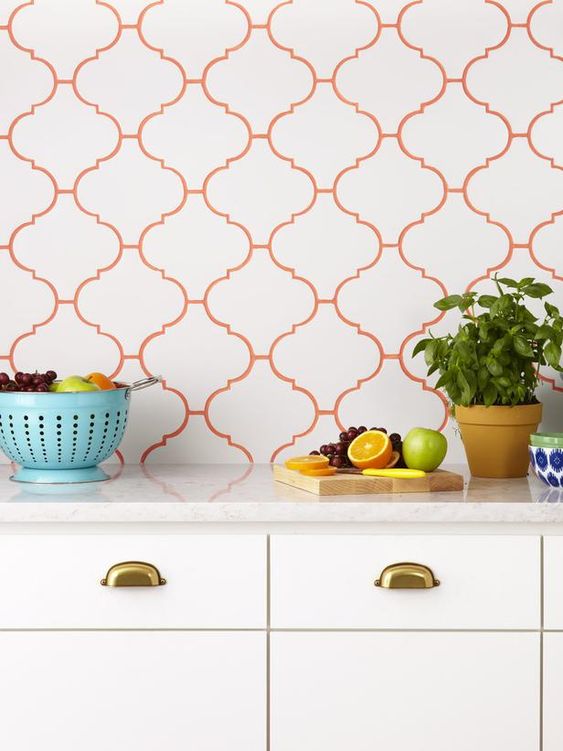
x=495 y=356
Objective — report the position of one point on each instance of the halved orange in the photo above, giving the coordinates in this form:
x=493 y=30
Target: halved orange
x=101 y=380
x=395 y=456
x=311 y=461
x=323 y=472
x=370 y=450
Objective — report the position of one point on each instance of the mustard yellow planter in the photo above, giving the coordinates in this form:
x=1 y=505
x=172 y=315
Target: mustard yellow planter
x=496 y=438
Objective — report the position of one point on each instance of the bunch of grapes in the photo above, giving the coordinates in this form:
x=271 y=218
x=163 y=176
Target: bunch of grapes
x=32 y=382
x=337 y=452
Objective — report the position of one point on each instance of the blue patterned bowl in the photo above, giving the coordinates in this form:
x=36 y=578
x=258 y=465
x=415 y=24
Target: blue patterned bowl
x=547 y=464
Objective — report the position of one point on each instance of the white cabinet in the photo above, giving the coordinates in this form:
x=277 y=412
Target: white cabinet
x=132 y=691
x=405 y=691
x=552 y=692
x=327 y=581
x=212 y=581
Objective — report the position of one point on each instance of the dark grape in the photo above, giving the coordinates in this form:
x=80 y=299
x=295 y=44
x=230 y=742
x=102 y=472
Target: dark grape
x=18 y=377
x=324 y=449
x=352 y=428
x=340 y=448
x=28 y=388
x=352 y=433
x=343 y=436
x=362 y=429
x=395 y=438
x=382 y=430
x=338 y=462
x=373 y=428
x=42 y=387
x=4 y=379
x=26 y=379
x=37 y=380
x=51 y=375
x=311 y=453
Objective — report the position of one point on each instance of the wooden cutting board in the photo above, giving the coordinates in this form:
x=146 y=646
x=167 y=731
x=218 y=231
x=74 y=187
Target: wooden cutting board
x=350 y=483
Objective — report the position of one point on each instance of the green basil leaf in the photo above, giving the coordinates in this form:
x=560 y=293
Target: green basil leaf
x=490 y=394
x=525 y=282
x=429 y=352
x=494 y=367
x=508 y=282
x=464 y=388
x=522 y=347
x=552 y=352
x=448 y=303
x=444 y=379
x=421 y=345
x=538 y=290
x=485 y=301
x=483 y=377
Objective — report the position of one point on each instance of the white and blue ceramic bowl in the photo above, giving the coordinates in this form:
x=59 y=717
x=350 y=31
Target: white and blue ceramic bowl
x=547 y=464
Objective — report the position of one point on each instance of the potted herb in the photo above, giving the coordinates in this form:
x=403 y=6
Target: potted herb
x=490 y=371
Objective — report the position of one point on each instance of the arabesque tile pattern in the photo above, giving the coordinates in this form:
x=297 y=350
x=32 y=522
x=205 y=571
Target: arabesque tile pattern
x=261 y=200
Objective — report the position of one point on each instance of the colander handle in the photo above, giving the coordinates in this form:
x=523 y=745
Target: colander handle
x=144 y=383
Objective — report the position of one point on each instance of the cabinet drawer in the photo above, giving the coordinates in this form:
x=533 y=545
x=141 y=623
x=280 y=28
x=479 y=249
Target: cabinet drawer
x=553 y=582
x=327 y=581
x=53 y=581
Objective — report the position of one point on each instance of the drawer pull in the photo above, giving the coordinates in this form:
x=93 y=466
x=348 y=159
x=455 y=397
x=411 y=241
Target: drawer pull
x=406 y=576
x=133 y=574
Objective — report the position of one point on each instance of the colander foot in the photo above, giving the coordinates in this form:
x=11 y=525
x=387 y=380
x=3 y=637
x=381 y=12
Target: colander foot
x=57 y=476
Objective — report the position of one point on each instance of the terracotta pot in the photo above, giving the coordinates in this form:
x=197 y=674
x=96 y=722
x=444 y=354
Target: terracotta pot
x=496 y=438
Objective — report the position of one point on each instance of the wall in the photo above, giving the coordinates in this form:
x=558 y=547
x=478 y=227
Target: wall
x=262 y=200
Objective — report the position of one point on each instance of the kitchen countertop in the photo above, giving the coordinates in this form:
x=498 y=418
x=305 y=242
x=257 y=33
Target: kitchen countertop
x=246 y=493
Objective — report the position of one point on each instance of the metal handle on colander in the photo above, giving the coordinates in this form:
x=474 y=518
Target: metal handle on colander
x=144 y=383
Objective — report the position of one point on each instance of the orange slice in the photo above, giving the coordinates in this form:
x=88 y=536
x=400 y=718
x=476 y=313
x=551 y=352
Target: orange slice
x=101 y=380
x=370 y=450
x=307 y=462
x=323 y=472
x=395 y=456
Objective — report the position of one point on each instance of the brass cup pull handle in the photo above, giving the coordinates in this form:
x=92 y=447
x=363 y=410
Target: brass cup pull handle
x=407 y=576
x=133 y=574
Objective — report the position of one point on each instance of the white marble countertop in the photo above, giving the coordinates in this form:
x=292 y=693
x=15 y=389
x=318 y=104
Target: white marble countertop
x=247 y=493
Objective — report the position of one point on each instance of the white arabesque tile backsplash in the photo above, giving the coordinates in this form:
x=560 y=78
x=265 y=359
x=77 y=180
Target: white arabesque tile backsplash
x=261 y=200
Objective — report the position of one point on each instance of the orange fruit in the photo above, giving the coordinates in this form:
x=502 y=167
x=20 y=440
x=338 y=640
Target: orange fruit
x=322 y=472
x=307 y=462
x=395 y=456
x=101 y=380
x=370 y=450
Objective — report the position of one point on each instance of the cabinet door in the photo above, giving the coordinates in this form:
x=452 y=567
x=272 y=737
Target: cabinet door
x=134 y=690
x=552 y=692
x=409 y=691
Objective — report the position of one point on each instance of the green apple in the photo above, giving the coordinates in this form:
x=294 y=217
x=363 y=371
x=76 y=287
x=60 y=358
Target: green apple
x=424 y=449
x=74 y=383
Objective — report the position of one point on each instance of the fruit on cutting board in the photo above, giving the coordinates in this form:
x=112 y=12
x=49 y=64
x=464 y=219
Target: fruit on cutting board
x=337 y=452
x=371 y=449
x=307 y=462
x=322 y=472
x=424 y=449
x=101 y=380
x=30 y=382
x=74 y=383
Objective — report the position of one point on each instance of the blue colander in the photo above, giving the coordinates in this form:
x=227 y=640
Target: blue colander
x=58 y=437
